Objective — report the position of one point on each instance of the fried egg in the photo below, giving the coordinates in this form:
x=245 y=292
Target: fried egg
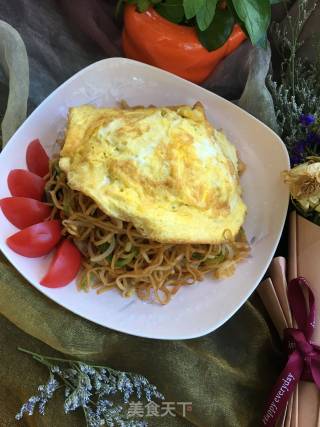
x=166 y=170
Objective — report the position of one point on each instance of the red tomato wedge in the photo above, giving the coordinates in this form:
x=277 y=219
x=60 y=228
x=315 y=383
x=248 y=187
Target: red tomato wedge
x=23 y=212
x=36 y=240
x=37 y=158
x=23 y=183
x=64 y=266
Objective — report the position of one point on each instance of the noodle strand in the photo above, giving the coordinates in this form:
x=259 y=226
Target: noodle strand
x=118 y=256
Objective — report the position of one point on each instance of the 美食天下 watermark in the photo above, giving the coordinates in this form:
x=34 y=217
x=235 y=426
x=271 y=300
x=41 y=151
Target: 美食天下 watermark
x=152 y=409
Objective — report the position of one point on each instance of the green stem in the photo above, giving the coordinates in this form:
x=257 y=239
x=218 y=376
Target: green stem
x=45 y=361
x=39 y=357
x=86 y=416
x=49 y=365
x=57 y=359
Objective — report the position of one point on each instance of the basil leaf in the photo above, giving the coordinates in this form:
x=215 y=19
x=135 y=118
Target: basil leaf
x=256 y=15
x=191 y=7
x=143 y=5
x=236 y=17
x=206 y=13
x=218 y=31
x=172 y=10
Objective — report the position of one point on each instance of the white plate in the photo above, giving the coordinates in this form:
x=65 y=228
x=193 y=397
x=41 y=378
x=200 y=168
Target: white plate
x=195 y=310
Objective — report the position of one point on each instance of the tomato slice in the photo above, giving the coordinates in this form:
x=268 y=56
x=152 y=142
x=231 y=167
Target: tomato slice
x=64 y=266
x=37 y=158
x=23 y=183
x=22 y=211
x=36 y=240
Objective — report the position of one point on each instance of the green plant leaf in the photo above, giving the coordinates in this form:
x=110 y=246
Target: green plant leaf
x=276 y=1
x=132 y=2
x=206 y=13
x=171 y=10
x=143 y=5
x=218 y=31
x=191 y=7
x=236 y=17
x=119 y=8
x=256 y=15
x=263 y=42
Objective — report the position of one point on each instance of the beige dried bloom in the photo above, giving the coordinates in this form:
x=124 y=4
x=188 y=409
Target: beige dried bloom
x=304 y=183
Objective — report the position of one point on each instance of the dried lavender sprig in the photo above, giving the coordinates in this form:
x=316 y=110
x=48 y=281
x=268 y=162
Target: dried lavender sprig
x=46 y=392
x=137 y=383
x=86 y=387
x=298 y=89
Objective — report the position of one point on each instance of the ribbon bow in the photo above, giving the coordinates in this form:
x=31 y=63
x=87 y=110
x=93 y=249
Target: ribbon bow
x=303 y=356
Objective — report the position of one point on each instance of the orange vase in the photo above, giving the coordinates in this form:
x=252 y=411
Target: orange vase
x=152 y=39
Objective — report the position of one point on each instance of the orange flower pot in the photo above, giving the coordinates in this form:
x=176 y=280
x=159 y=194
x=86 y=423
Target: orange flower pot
x=150 y=38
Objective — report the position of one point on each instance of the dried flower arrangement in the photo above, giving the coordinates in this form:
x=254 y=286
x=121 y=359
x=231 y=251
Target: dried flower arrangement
x=89 y=387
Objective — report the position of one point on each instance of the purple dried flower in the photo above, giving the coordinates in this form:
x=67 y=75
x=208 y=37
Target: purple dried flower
x=28 y=407
x=313 y=138
x=300 y=146
x=87 y=386
x=46 y=392
x=295 y=159
x=298 y=149
x=307 y=119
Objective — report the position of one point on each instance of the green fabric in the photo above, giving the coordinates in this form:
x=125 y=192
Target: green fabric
x=226 y=374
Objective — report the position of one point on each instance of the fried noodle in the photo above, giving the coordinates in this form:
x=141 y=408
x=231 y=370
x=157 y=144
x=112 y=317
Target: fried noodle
x=117 y=255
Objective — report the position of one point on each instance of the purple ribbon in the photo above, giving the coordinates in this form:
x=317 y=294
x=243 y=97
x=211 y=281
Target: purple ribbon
x=303 y=356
